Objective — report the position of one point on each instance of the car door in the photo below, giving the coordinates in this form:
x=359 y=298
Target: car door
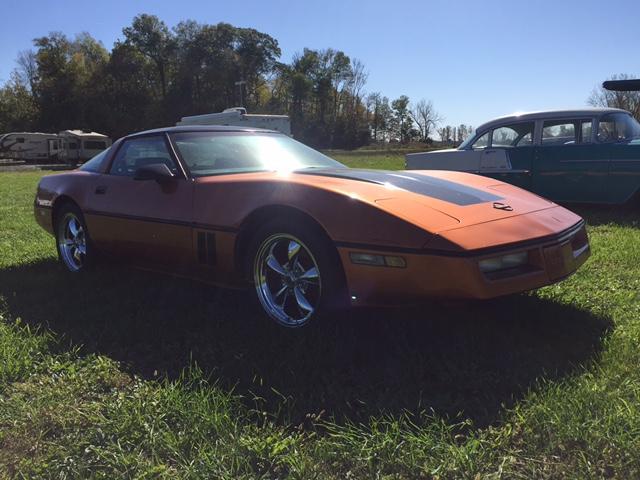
x=145 y=221
x=619 y=135
x=568 y=165
x=510 y=155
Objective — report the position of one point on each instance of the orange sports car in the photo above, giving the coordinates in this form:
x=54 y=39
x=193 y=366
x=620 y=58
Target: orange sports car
x=237 y=206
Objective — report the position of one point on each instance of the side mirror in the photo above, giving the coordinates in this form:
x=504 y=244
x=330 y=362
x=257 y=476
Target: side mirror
x=156 y=171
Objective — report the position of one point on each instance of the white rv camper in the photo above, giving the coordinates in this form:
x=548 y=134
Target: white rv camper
x=238 y=117
x=81 y=145
x=33 y=146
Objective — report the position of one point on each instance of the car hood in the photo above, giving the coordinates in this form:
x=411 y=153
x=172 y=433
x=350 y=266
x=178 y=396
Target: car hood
x=433 y=199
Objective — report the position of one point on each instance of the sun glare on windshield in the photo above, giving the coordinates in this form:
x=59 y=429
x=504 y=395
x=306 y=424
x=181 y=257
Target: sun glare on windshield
x=215 y=153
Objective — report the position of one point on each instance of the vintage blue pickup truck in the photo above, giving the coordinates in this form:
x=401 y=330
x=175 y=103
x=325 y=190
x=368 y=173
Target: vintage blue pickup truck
x=589 y=155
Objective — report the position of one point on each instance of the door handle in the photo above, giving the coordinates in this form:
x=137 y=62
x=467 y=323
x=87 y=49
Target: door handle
x=101 y=189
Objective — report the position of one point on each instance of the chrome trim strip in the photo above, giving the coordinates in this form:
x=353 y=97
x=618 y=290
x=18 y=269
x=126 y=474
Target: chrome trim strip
x=581 y=250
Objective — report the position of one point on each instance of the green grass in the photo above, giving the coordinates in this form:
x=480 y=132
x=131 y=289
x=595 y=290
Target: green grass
x=381 y=159
x=128 y=374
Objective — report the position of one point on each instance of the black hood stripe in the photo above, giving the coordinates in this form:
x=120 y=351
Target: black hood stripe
x=438 y=188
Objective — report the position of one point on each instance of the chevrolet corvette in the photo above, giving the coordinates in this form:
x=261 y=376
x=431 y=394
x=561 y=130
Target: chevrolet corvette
x=241 y=207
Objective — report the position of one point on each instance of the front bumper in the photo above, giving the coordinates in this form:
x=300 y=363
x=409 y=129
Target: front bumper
x=427 y=275
x=43 y=216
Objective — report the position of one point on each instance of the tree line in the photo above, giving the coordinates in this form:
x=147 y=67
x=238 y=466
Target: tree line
x=155 y=75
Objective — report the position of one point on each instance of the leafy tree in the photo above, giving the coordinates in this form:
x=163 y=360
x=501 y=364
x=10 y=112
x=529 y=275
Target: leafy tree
x=151 y=37
x=67 y=72
x=18 y=110
x=155 y=75
x=211 y=58
x=127 y=92
x=402 y=122
x=380 y=115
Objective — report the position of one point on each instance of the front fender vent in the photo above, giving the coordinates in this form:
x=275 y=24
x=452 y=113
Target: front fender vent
x=206 y=248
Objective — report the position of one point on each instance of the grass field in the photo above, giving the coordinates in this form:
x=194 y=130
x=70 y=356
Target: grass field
x=127 y=374
x=380 y=159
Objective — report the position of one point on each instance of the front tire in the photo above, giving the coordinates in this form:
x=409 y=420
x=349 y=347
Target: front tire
x=296 y=272
x=72 y=239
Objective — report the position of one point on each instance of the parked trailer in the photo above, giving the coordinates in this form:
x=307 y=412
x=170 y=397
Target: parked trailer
x=238 y=117
x=81 y=145
x=32 y=146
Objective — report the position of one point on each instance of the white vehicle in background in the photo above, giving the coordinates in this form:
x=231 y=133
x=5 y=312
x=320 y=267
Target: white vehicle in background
x=238 y=117
x=32 y=146
x=81 y=145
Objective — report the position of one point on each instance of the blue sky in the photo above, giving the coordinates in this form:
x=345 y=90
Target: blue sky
x=474 y=59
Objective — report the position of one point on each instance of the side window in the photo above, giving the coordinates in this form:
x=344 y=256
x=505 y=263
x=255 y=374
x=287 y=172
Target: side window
x=482 y=142
x=20 y=140
x=516 y=135
x=139 y=152
x=562 y=132
x=607 y=129
x=617 y=127
x=585 y=131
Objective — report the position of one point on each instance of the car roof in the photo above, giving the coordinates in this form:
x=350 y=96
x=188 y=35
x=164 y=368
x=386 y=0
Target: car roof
x=523 y=116
x=202 y=128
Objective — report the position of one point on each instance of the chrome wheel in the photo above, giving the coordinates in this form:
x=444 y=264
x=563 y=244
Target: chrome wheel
x=287 y=280
x=72 y=242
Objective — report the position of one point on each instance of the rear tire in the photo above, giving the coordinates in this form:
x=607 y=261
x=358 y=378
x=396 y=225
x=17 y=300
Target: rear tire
x=73 y=243
x=296 y=273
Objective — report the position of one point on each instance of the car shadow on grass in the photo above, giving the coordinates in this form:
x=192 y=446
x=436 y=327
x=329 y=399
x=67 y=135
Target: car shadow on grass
x=473 y=358
x=627 y=215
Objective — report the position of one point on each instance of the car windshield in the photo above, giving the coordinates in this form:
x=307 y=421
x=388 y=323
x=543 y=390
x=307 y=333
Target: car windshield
x=95 y=163
x=215 y=153
x=618 y=127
